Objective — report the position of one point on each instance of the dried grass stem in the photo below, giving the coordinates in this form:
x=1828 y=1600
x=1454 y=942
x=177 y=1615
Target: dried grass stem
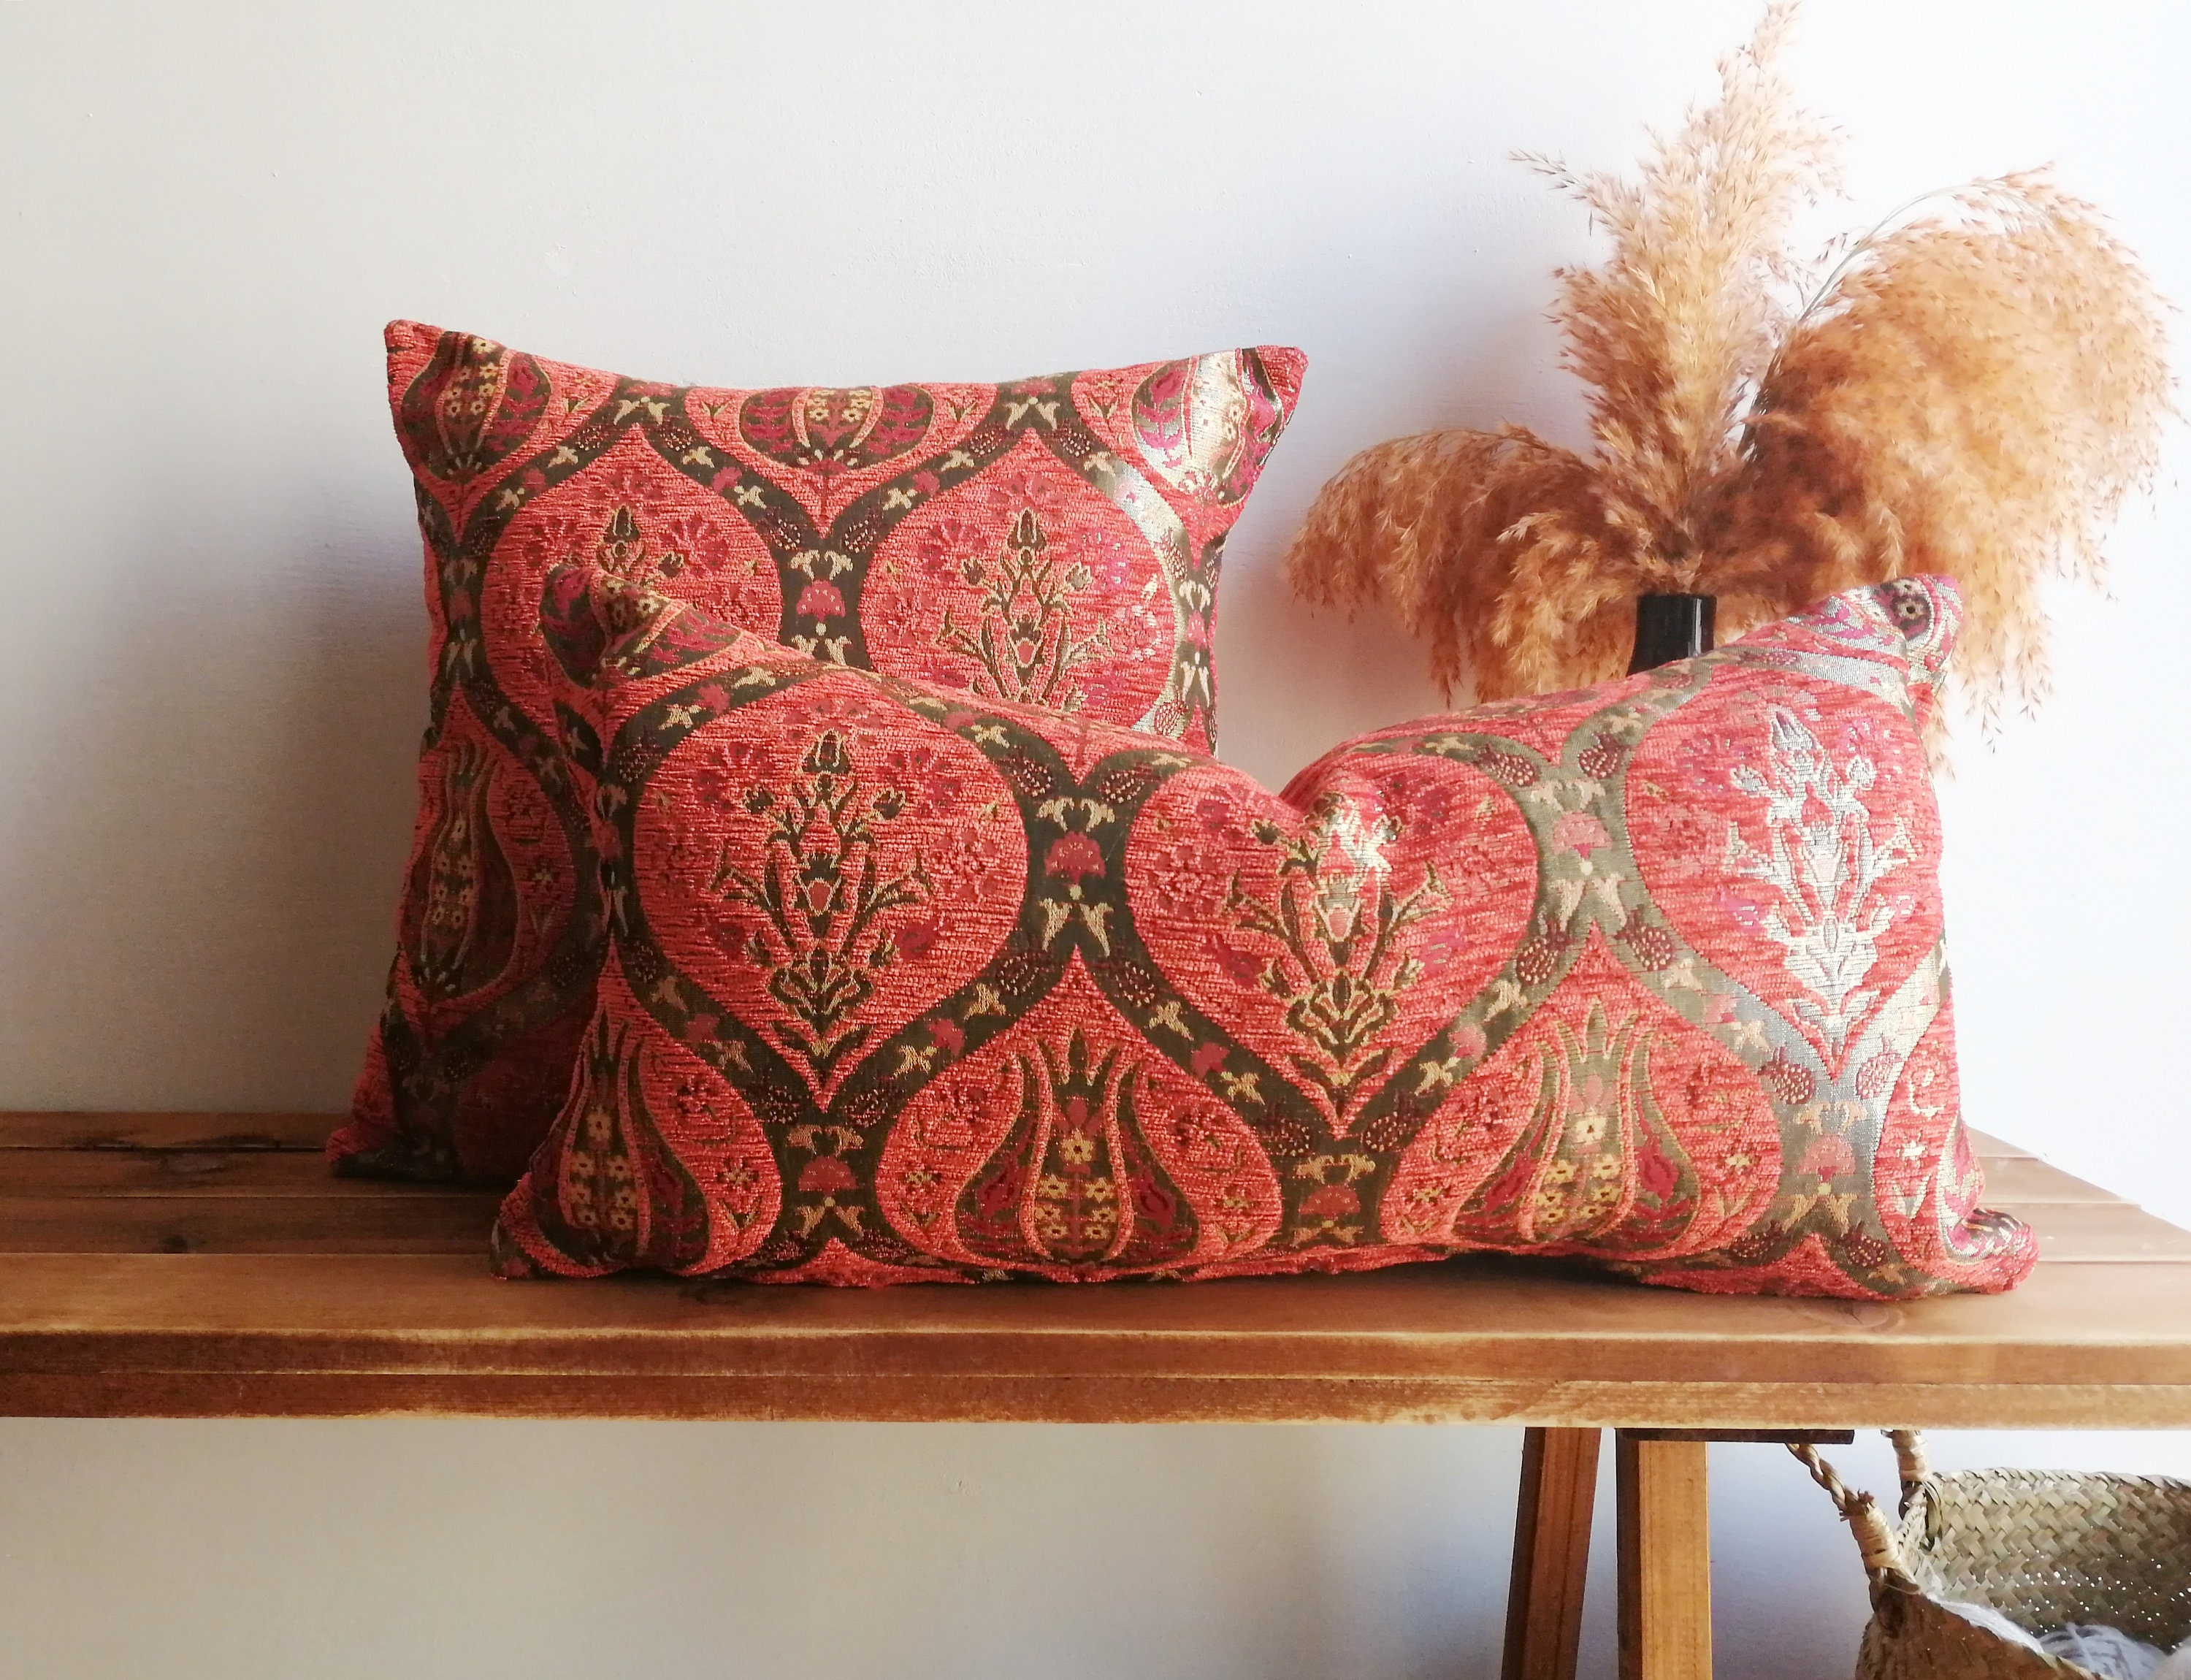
x=1973 y=391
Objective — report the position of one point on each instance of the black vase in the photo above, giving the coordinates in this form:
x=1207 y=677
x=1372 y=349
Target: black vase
x=1670 y=626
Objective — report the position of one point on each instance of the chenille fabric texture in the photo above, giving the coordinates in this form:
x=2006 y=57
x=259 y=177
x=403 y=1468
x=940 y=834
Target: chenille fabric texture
x=1052 y=541
x=907 y=984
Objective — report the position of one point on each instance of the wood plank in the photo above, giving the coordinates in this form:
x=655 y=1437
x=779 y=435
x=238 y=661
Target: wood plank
x=1988 y=1148
x=1551 y=1554
x=2029 y=1182
x=2096 y=1233
x=153 y=1276
x=108 y=1173
x=1063 y=1399
x=2093 y=1345
x=1403 y=1320
x=451 y=1222
x=65 y=1129
x=2108 y=1323
x=1665 y=1560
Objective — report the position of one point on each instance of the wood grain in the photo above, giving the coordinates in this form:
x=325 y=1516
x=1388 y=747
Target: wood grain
x=1665 y=1560
x=72 y=1130
x=1551 y=1554
x=454 y=1222
x=2086 y=1232
x=60 y=1174
x=1034 y=1399
x=144 y=1269
x=1473 y=1340
x=2028 y=1183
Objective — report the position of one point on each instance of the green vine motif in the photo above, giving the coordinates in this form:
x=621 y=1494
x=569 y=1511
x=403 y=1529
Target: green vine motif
x=1023 y=642
x=820 y=887
x=1341 y=968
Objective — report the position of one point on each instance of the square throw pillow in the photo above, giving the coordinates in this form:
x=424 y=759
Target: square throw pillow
x=907 y=984
x=1052 y=541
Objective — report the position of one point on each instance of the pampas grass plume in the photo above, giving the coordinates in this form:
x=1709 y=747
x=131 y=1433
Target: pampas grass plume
x=1974 y=388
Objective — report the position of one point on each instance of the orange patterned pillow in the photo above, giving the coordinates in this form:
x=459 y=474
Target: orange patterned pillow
x=1052 y=541
x=906 y=985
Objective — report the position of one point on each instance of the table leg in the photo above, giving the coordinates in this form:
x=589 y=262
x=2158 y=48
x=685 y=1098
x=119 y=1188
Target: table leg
x=1551 y=1553
x=1665 y=1559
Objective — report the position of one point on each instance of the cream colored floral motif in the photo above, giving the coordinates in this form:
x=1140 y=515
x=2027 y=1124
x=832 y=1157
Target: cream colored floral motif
x=1824 y=864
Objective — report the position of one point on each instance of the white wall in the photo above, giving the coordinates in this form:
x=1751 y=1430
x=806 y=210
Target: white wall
x=212 y=683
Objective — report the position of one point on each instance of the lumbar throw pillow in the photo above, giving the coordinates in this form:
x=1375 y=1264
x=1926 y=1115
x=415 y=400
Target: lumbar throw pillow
x=1052 y=542
x=909 y=984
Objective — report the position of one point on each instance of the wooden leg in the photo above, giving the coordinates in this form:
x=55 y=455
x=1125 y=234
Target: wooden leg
x=1551 y=1553
x=1665 y=1560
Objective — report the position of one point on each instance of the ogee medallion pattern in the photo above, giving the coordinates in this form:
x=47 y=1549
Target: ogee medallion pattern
x=1052 y=541
x=910 y=984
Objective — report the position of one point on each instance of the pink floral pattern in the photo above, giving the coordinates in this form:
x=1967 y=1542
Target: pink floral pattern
x=1021 y=541
x=953 y=987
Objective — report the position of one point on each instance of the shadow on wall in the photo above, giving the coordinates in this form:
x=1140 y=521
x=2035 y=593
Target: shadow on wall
x=202 y=875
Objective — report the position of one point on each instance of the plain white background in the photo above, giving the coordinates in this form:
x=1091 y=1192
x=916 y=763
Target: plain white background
x=212 y=683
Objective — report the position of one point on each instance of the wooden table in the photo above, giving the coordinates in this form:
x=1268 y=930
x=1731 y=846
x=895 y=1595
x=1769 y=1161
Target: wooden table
x=208 y=1265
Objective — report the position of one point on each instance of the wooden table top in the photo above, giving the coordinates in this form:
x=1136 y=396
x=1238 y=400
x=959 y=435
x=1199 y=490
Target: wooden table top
x=208 y=1265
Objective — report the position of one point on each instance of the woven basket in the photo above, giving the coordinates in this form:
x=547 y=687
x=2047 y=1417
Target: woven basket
x=2043 y=1547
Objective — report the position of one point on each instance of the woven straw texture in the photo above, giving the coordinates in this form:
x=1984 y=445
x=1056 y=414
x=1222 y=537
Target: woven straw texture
x=2044 y=1547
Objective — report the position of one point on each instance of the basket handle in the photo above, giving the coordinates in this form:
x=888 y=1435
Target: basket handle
x=1874 y=1540
x=1909 y=1461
